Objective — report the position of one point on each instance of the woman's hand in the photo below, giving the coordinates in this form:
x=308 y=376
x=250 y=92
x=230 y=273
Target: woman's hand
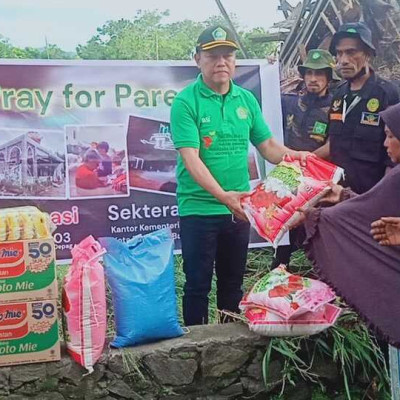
x=334 y=196
x=386 y=231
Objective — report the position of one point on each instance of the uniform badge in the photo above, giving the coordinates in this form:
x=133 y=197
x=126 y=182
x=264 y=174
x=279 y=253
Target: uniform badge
x=219 y=34
x=318 y=138
x=336 y=105
x=320 y=128
x=370 y=119
x=316 y=56
x=242 y=112
x=335 y=117
x=373 y=105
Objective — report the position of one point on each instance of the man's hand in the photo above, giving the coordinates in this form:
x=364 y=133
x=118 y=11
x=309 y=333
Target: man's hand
x=386 y=231
x=275 y=152
x=333 y=197
x=301 y=155
x=232 y=201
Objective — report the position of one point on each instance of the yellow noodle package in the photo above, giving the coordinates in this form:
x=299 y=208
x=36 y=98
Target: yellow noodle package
x=24 y=223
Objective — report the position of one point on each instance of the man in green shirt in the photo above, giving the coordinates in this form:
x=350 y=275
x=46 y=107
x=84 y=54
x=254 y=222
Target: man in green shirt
x=213 y=121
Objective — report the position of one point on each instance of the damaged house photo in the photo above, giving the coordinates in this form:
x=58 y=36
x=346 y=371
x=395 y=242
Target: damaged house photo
x=32 y=164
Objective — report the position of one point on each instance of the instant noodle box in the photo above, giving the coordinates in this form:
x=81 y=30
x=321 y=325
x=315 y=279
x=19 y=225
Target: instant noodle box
x=27 y=270
x=29 y=332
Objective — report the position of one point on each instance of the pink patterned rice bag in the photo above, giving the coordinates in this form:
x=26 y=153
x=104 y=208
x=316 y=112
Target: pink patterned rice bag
x=266 y=323
x=288 y=295
x=84 y=304
x=272 y=206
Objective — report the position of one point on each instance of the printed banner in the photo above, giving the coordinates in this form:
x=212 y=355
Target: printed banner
x=90 y=142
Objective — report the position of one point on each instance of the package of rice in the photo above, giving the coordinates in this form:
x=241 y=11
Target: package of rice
x=266 y=323
x=272 y=207
x=288 y=295
x=84 y=304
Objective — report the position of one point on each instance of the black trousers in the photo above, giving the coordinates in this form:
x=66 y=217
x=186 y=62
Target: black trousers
x=284 y=253
x=209 y=241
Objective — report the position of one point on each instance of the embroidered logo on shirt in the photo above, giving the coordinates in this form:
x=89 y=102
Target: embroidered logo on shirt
x=208 y=140
x=373 y=105
x=320 y=128
x=242 y=112
x=370 y=119
x=206 y=120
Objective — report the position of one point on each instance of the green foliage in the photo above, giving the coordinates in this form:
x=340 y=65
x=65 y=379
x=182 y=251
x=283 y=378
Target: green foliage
x=353 y=349
x=147 y=37
x=51 y=51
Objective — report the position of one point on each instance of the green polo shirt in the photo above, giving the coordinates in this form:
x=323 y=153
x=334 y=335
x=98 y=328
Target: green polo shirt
x=221 y=127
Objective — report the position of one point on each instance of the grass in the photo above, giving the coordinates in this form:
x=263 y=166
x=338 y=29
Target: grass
x=348 y=343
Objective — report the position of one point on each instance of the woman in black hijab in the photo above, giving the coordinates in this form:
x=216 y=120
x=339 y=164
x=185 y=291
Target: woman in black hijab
x=363 y=271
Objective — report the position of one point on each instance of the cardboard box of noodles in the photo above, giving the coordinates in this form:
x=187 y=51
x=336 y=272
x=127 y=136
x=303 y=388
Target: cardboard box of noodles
x=29 y=332
x=27 y=270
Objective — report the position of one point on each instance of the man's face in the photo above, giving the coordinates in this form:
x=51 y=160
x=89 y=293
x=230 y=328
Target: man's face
x=316 y=81
x=392 y=145
x=351 y=57
x=217 y=65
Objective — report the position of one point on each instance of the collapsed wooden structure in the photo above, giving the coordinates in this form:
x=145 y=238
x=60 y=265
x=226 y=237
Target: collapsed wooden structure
x=311 y=23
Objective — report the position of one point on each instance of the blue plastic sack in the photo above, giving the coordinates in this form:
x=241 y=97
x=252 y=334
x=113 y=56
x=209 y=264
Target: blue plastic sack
x=141 y=275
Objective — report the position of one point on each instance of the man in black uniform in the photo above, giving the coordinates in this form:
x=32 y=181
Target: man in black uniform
x=305 y=120
x=305 y=115
x=356 y=131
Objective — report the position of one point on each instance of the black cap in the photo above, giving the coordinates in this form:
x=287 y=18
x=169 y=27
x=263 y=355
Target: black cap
x=357 y=30
x=216 y=36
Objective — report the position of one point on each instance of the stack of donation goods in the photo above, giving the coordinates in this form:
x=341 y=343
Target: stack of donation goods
x=140 y=273
x=28 y=288
x=280 y=303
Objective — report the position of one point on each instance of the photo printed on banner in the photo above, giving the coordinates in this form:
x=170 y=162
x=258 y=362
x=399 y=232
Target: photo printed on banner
x=32 y=164
x=152 y=155
x=96 y=161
